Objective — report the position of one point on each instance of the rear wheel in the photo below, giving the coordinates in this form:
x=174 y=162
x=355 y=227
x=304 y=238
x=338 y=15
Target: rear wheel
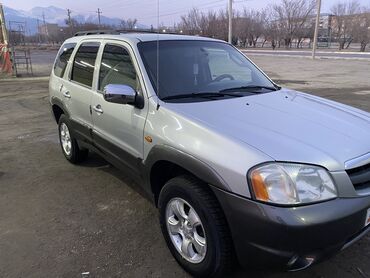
x=69 y=145
x=194 y=227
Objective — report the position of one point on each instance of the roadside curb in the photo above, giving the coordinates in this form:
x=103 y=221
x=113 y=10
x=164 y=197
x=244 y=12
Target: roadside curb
x=16 y=79
x=308 y=51
x=307 y=57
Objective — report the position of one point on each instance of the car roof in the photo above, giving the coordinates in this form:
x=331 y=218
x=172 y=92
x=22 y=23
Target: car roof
x=138 y=37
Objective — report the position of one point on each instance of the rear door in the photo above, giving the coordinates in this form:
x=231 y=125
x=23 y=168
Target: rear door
x=56 y=78
x=119 y=128
x=78 y=91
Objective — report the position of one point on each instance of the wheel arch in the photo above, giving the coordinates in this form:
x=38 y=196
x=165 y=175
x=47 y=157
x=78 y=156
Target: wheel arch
x=58 y=109
x=165 y=162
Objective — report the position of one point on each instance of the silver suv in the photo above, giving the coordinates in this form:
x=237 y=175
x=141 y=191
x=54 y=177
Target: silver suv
x=237 y=166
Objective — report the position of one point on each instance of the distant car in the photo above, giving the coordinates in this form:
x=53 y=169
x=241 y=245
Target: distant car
x=234 y=163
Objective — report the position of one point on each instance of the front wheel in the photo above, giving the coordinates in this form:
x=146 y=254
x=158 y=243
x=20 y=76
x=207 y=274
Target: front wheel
x=194 y=227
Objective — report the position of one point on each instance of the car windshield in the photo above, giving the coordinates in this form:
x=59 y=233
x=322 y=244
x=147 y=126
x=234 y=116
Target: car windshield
x=195 y=68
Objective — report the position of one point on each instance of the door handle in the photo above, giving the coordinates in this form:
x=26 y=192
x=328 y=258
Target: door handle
x=67 y=94
x=97 y=109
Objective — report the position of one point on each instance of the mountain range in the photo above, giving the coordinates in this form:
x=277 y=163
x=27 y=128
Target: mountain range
x=52 y=15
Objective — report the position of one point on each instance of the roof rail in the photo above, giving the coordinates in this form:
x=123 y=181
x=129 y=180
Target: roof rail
x=120 y=31
x=96 y=32
x=149 y=31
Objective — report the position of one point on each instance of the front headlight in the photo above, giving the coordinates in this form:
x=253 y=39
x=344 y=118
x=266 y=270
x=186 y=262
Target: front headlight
x=290 y=184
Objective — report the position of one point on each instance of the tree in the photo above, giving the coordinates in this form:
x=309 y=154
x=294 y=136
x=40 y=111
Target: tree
x=241 y=29
x=71 y=25
x=286 y=21
x=222 y=26
x=344 y=22
x=307 y=31
x=190 y=22
x=209 y=24
x=271 y=31
x=255 y=25
x=361 y=28
x=249 y=26
x=129 y=24
x=291 y=16
x=74 y=26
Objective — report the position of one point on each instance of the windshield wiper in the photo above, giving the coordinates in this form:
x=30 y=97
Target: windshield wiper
x=251 y=87
x=200 y=95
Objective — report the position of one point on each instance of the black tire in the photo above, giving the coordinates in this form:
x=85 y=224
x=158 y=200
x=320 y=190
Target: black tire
x=219 y=256
x=76 y=154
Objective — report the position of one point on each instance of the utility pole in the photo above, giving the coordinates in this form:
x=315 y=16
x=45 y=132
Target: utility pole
x=38 y=30
x=99 y=13
x=3 y=26
x=230 y=21
x=70 y=20
x=45 y=26
x=316 y=29
x=43 y=18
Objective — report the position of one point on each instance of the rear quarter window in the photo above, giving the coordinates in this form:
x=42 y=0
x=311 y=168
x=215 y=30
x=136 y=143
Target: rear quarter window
x=63 y=56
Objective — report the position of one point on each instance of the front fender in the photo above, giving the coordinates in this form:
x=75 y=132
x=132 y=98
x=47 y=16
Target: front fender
x=187 y=161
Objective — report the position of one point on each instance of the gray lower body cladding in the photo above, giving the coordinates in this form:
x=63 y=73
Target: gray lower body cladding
x=292 y=237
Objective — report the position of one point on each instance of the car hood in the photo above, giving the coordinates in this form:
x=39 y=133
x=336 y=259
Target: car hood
x=288 y=126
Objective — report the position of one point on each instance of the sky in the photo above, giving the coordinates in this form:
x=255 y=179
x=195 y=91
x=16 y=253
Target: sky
x=146 y=10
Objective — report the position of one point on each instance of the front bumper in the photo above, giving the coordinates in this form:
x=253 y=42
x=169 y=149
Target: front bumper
x=292 y=237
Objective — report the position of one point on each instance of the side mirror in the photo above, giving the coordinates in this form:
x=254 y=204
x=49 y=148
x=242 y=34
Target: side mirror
x=118 y=93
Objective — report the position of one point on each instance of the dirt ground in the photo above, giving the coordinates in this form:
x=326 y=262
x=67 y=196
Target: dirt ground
x=61 y=220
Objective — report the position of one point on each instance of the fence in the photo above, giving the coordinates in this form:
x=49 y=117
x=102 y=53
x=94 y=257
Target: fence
x=5 y=60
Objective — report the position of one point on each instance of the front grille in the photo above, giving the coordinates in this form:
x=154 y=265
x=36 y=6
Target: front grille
x=360 y=177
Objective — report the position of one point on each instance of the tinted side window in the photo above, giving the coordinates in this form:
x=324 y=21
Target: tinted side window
x=117 y=68
x=63 y=57
x=84 y=63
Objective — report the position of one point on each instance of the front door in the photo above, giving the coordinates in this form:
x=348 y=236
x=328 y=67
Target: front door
x=118 y=129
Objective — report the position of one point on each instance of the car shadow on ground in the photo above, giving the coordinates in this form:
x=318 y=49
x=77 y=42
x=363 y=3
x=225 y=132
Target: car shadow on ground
x=96 y=161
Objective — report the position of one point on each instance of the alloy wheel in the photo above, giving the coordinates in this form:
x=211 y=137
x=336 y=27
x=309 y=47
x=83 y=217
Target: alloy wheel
x=186 y=230
x=65 y=139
